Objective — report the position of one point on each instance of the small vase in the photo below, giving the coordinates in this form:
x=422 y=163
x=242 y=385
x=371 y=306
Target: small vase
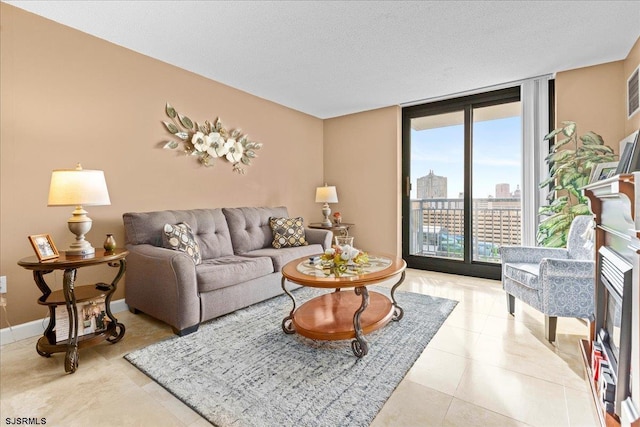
x=110 y=243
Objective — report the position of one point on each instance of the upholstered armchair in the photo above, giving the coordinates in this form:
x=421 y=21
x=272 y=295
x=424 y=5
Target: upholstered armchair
x=558 y=282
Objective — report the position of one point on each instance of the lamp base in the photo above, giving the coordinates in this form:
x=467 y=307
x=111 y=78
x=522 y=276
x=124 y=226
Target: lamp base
x=86 y=250
x=80 y=224
x=326 y=211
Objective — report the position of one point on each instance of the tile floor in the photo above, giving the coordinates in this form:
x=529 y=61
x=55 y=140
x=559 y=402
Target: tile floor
x=483 y=368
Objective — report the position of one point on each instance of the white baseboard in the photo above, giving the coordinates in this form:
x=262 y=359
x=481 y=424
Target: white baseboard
x=36 y=328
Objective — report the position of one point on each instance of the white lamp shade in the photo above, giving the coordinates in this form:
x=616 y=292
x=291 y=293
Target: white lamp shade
x=75 y=187
x=326 y=194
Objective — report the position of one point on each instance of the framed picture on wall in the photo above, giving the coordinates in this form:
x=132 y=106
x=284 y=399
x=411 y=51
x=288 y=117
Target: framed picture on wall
x=44 y=247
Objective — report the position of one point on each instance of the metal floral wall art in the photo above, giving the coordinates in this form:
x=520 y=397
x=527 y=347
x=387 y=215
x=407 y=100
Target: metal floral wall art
x=210 y=141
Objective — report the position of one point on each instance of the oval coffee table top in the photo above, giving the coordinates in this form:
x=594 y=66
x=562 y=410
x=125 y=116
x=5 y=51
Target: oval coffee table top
x=379 y=268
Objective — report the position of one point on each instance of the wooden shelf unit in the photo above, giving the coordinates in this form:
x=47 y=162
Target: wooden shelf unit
x=615 y=203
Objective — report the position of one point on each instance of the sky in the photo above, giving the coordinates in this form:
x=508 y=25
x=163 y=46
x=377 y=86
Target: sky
x=496 y=156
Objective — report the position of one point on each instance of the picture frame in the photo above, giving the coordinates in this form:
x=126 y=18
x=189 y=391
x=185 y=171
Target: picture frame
x=602 y=171
x=44 y=247
x=634 y=158
x=627 y=147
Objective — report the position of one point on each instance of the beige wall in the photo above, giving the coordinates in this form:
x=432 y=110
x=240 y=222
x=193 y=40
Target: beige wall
x=595 y=98
x=362 y=158
x=69 y=97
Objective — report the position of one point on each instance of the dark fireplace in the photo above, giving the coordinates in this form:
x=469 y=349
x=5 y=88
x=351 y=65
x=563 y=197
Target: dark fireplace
x=613 y=325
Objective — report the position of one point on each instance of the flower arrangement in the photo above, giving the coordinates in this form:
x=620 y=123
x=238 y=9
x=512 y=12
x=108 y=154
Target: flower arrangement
x=338 y=258
x=210 y=141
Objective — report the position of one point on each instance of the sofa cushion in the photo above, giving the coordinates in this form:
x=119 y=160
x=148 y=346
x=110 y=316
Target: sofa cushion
x=287 y=232
x=282 y=256
x=179 y=237
x=209 y=227
x=230 y=270
x=249 y=227
x=522 y=272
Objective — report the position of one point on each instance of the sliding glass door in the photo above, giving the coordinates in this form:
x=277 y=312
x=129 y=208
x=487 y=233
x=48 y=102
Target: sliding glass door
x=462 y=168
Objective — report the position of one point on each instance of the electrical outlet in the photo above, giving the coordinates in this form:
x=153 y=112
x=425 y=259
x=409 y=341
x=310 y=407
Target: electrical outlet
x=3 y=300
x=3 y=284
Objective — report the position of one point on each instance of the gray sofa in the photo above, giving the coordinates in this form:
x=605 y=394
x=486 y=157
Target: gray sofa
x=239 y=266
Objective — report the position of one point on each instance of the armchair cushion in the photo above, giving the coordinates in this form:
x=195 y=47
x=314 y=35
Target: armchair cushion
x=524 y=273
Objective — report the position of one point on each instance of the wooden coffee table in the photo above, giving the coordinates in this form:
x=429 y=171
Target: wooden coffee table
x=343 y=315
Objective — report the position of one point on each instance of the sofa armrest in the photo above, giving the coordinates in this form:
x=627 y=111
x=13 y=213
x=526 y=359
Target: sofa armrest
x=319 y=236
x=162 y=283
x=530 y=254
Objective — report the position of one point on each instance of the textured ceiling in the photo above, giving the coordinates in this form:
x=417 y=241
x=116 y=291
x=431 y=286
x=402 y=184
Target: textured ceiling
x=330 y=58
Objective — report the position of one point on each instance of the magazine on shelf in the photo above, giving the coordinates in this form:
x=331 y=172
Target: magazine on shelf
x=92 y=317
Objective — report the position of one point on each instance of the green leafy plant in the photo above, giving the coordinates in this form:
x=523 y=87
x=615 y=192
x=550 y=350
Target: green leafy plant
x=570 y=164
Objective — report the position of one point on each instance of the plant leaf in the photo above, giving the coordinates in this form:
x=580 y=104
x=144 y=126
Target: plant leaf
x=170 y=111
x=170 y=145
x=186 y=121
x=547 y=181
x=560 y=143
x=171 y=127
x=552 y=134
x=569 y=129
x=597 y=139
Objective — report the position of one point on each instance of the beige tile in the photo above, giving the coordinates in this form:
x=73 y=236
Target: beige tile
x=462 y=413
x=483 y=367
x=413 y=405
x=532 y=359
x=521 y=397
x=582 y=412
x=172 y=403
x=454 y=340
x=438 y=370
x=469 y=320
x=90 y=399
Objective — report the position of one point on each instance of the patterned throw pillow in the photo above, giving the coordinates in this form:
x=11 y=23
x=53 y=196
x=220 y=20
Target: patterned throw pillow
x=180 y=238
x=287 y=232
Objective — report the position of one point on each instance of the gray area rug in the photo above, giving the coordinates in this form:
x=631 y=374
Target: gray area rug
x=243 y=370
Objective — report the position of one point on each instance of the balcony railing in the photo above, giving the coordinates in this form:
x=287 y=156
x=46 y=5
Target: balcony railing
x=437 y=227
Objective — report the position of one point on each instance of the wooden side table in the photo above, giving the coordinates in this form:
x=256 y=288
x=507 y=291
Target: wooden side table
x=342 y=228
x=70 y=295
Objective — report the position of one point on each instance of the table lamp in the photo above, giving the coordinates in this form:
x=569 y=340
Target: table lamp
x=326 y=195
x=78 y=187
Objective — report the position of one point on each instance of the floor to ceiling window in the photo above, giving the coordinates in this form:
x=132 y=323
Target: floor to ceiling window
x=462 y=162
